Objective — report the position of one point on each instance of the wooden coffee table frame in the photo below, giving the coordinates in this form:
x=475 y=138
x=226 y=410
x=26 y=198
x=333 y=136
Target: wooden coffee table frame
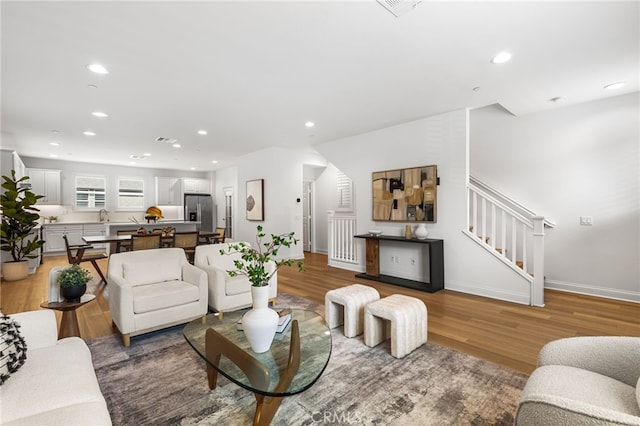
x=258 y=374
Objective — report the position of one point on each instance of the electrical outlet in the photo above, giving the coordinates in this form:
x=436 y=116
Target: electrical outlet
x=413 y=262
x=586 y=220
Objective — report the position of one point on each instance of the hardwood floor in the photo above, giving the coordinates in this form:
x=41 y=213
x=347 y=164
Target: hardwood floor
x=501 y=332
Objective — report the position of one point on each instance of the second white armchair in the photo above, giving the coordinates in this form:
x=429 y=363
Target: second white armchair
x=226 y=293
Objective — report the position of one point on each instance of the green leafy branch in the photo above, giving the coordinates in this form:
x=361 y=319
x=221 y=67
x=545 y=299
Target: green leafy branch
x=253 y=260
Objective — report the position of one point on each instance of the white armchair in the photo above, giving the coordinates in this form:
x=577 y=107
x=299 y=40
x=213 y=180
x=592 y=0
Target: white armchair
x=226 y=293
x=584 y=381
x=154 y=289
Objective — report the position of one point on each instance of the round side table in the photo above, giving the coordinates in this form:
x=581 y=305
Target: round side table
x=69 y=324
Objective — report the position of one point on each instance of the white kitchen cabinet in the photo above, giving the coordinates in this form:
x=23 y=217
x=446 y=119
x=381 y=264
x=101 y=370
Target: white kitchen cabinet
x=196 y=186
x=45 y=182
x=168 y=191
x=52 y=235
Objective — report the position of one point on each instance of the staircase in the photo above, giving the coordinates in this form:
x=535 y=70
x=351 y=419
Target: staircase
x=510 y=232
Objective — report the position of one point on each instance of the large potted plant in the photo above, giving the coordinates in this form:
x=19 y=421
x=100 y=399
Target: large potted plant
x=19 y=219
x=259 y=264
x=73 y=282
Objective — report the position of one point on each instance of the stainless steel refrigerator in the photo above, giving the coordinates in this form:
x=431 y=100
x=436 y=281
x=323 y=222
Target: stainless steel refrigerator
x=200 y=208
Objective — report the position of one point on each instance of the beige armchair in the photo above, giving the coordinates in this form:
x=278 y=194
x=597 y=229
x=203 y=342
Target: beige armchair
x=584 y=381
x=227 y=293
x=154 y=289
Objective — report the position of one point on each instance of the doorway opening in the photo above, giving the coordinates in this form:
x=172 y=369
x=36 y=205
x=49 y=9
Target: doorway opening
x=307 y=216
x=228 y=212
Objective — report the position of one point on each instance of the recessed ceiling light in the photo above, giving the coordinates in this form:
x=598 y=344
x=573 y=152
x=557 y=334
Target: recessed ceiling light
x=89 y=133
x=614 y=86
x=192 y=168
x=137 y=157
x=176 y=145
x=54 y=144
x=202 y=132
x=55 y=131
x=309 y=124
x=92 y=86
x=97 y=68
x=146 y=154
x=215 y=161
x=99 y=114
x=53 y=155
x=501 y=58
x=133 y=163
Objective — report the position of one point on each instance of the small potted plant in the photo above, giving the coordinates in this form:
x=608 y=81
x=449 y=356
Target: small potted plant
x=73 y=282
x=53 y=219
x=18 y=234
x=260 y=323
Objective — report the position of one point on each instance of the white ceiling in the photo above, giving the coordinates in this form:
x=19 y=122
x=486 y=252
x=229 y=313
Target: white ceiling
x=252 y=73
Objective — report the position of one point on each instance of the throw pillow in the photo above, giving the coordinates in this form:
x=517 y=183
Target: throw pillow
x=13 y=348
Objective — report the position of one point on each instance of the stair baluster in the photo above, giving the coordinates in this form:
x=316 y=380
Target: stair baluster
x=494 y=222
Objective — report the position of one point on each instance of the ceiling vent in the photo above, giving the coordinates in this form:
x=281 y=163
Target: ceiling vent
x=170 y=141
x=399 y=7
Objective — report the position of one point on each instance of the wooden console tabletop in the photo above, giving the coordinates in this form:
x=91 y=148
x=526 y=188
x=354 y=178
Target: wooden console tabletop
x=435 y=258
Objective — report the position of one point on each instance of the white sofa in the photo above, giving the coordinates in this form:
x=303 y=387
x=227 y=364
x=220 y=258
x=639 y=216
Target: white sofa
x=584 y=381
x=226 y=293
x=154 y=289
x=57 y=384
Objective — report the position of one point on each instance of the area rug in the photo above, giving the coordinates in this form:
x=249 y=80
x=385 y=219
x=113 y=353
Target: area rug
x=159 y=380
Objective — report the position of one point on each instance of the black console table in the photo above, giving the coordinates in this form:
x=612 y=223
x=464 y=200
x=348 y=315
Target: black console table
x=436 y=262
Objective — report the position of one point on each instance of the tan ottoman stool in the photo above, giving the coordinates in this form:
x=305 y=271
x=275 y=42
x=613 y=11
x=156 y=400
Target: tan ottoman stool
x=401 y=318
x=346 y=305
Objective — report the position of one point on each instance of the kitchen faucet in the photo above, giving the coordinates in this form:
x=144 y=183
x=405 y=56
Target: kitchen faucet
x=103 y=214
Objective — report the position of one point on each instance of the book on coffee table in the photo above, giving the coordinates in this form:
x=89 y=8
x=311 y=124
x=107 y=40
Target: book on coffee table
x=283 y=322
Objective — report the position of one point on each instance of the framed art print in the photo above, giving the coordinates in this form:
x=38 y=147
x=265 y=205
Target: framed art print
x=255 y=200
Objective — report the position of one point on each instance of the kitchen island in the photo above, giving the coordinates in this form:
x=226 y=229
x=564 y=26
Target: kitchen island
x=180 y=226
x=75 y=231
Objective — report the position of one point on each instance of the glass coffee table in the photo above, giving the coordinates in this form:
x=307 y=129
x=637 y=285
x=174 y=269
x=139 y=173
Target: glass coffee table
x=297 y=357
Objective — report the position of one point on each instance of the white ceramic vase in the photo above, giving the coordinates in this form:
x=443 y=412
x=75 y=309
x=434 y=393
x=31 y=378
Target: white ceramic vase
x=421 y=231
x=260 y=323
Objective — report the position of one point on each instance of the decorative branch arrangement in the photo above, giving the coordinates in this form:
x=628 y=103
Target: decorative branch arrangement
x=253 y=260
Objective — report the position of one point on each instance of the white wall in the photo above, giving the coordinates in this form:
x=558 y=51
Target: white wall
x=282 y=171
x=581 y=160
x=326 y=199
x=440 y=140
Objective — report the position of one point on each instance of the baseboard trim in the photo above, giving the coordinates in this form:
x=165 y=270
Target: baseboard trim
x=492 y=293
x=589 y=290
x=346 y=265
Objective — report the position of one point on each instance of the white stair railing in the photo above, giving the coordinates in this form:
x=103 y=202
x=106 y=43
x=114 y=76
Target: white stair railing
x=342 y=247
x=511 y=233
